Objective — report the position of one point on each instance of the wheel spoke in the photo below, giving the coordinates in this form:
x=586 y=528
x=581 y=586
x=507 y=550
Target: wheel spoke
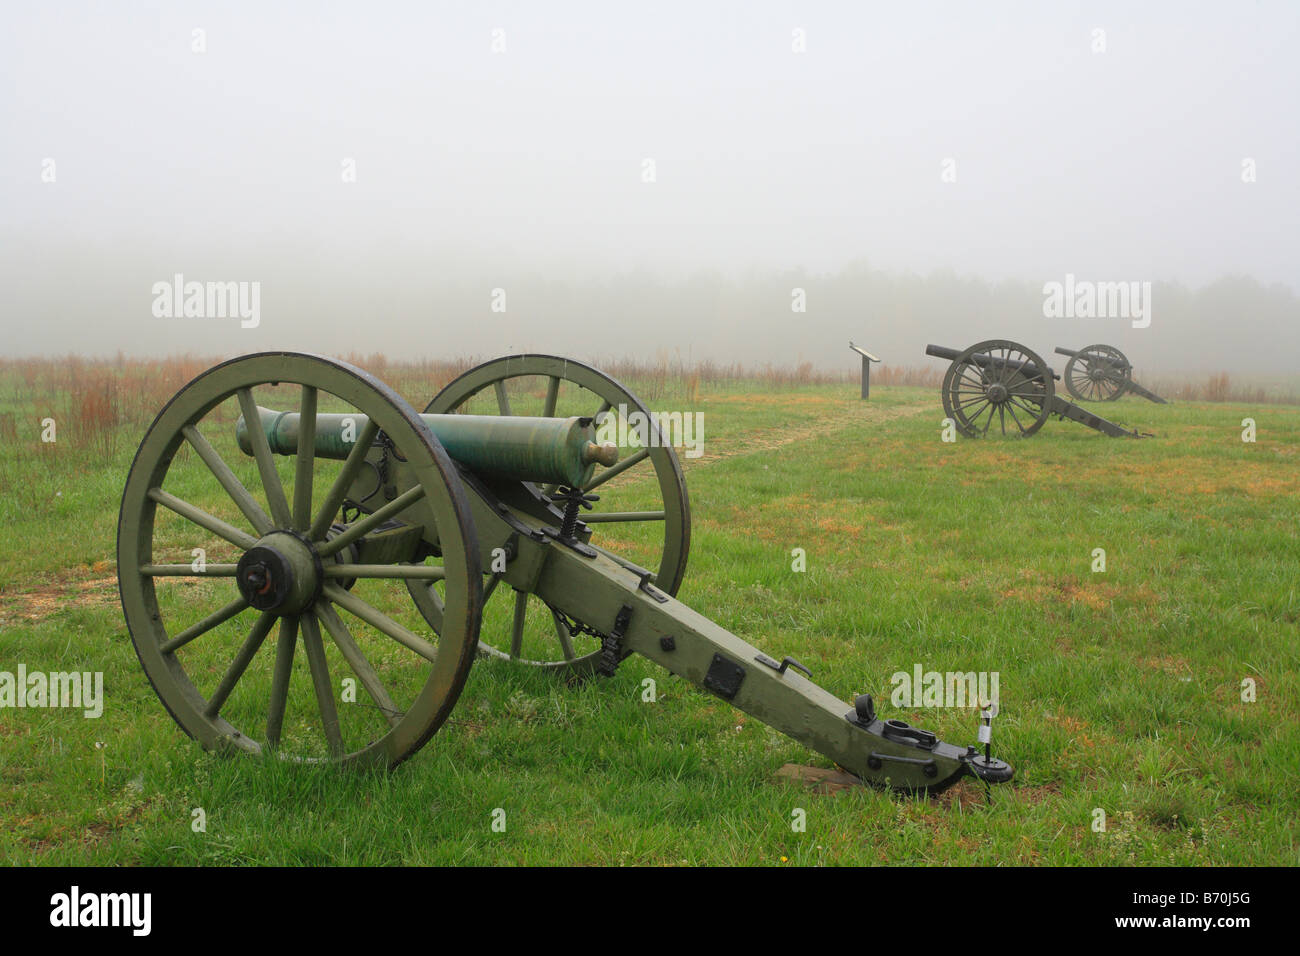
x=343 y=483
x=240 y=664
x=1028 y=407
x=371 y=521
x=490 y=586
x=624 y=516
x=1002 y=366
x=306 y=463
x=407 y=572
x=240 y=495
x=284 y=649
x=203 y=626
x=614 y=470
x=566 y=639
x=265 y=461
x=973 y=418
x=517 y=625
x=204 y=520
x=187 y=571
x=503 y=400
x=380 y=621
x=552 y=396
x=1011 y=407
x=432 y=612
x=320 y=679
x=357 y=661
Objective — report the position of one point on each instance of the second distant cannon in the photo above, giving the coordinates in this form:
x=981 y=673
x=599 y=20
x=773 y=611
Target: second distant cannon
x=1102 y=373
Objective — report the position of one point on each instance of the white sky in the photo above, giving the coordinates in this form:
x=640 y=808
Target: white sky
x=522 y=169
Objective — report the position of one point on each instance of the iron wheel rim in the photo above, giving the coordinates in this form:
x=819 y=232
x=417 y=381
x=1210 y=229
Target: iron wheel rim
x=441 y=502
x=1015 y=391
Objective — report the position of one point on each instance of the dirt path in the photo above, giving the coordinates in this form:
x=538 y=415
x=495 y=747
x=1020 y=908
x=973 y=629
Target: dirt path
x=80 y=587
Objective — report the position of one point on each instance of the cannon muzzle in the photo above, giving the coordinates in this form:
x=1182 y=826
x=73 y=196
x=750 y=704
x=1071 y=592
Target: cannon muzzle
x=559 y=451
x=939 y=351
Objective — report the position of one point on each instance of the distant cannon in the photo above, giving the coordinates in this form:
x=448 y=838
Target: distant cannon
x=1003 y=386
x=1101 y=373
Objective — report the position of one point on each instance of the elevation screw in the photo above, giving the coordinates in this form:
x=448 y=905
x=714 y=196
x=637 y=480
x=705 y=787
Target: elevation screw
x=574 y=500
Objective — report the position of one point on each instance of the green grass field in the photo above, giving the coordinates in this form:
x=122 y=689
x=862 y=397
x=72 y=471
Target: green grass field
x=1120 y=691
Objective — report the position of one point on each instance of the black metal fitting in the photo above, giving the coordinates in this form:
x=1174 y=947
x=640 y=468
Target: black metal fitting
x=574 y=500
x=611 y=645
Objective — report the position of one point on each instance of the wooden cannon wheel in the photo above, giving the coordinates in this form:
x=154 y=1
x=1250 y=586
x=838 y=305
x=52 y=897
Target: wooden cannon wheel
x=1098 y=373
x=230 y=554
x=998 y=386
x=519 y=627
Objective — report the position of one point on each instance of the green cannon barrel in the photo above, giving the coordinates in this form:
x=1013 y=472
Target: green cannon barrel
x=560 y=451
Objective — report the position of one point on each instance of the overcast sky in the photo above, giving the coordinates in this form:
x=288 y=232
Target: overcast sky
x=508 y=146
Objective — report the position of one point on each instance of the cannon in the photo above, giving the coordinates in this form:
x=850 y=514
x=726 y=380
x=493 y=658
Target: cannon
x=296 y=494
x=1004 y=384
x=1102 y=373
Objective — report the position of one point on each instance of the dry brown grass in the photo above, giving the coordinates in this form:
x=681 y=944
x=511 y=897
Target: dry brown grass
x=656 y=379
x=90 y=398
x=1219 y=388
x=927 y=377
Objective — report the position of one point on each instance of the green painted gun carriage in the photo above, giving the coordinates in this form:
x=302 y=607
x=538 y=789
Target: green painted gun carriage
x=286 y=506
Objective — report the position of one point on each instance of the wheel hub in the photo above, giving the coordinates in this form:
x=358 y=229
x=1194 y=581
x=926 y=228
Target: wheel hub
x=281 y=573
x=996 y=393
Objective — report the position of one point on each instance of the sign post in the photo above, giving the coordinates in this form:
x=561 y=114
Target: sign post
x=867 y=359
